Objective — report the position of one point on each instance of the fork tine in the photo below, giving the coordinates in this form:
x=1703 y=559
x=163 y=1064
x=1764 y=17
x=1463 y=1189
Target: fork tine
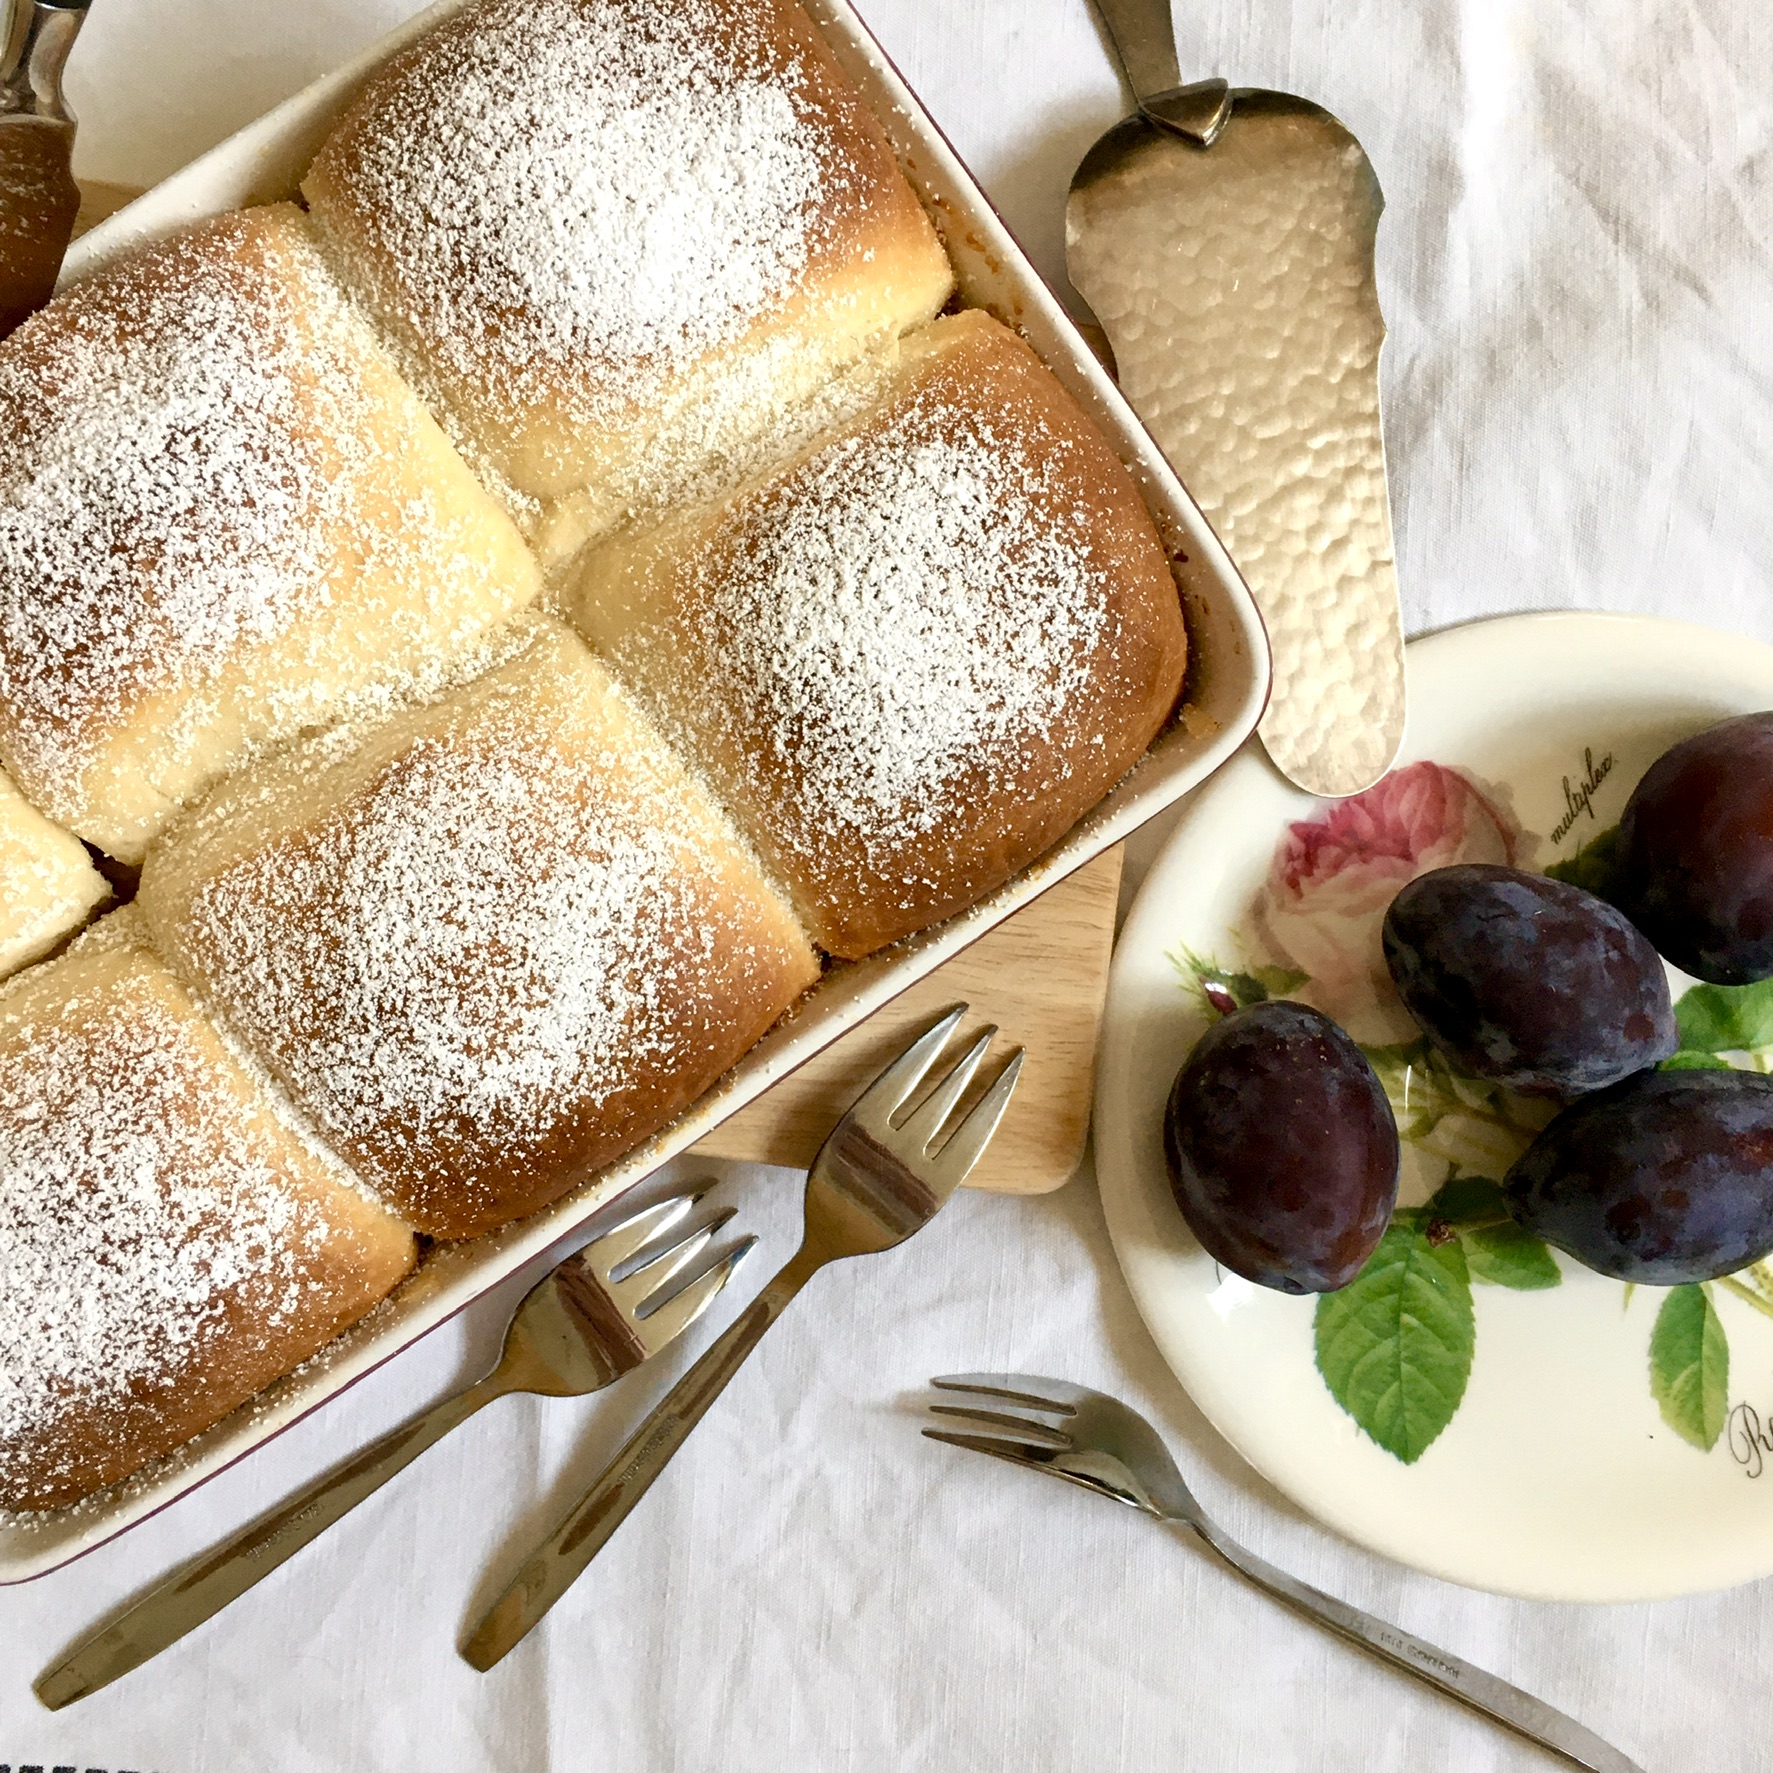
x=1016 y=1452
x=606 y=1253
x=666 y=1322
x=651 y=1272
x=970 y=1138
x=1023 y=1427
x=1052 y=1395
x=661 y=1247
x=1042 y=1410
x=932 y=1115
x=883 y=1098
x=1074 y=1465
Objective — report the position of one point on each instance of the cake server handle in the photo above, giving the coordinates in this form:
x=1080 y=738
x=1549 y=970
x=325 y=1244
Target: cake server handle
x=1145 y=41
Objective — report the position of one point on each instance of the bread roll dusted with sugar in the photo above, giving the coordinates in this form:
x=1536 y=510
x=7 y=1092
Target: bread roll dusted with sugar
x=489 y=951
x=619 y=235
x=914 y=657
x=48 y=885
x=223 y=517
x=169 y=1242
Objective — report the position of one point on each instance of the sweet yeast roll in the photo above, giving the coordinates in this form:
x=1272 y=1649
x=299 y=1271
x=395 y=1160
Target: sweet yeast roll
x=48 y=885
x=490 y=950
x=170 y=1241
x=912 y=658
x=621 y=235
x=223 y=517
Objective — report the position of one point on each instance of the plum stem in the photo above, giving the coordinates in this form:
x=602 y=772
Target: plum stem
x=1440 y=1230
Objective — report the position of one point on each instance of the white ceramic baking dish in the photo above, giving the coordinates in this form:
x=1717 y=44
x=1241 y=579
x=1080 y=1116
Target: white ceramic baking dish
x=1228 y=675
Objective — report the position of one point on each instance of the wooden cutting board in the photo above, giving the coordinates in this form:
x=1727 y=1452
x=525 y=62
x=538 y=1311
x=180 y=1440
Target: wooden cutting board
x=1042 y=977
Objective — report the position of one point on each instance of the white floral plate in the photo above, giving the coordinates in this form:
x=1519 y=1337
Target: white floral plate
x=1472 y=1405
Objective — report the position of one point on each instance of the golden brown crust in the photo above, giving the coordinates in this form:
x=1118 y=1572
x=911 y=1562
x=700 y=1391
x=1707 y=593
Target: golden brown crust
x=914 y=658
x=223 y=518
x=488 y=952
x=181 y=1244
x=595 y=296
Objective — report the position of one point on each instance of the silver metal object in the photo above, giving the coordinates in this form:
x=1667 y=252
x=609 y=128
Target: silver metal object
x=1093 y=1440
x=38 y=197
x=872 y=1185
x=617 y=1302
x=1146 y=44
x=1225 y=241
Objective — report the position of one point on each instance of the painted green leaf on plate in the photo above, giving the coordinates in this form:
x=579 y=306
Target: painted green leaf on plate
x=1472 y=1124
x=1467 y=1200
x=1726 y=1018
x=1510 y=1256
x=1226 y=989
x=1498 y=1252
x=1690 y=1061
x=1278 y=981
x=1690 y=1366
x=1594 y=867
x=1394 y=1346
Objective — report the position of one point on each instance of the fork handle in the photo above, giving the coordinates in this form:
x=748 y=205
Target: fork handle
x=556 y=1564
x=179 y=1603
x=1485 y=1693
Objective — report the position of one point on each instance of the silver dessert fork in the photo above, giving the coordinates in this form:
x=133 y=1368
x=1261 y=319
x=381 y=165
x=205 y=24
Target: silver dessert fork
x=599 y=1314
x=872 y=1185
x=1093 y=1440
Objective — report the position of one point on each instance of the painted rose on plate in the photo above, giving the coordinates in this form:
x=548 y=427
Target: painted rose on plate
x=1333 y=876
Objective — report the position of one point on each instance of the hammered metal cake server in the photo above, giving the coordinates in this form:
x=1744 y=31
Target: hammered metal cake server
x=1224 y=239
x=38 y=197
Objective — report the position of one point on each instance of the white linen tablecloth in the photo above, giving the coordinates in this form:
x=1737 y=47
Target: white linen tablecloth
x=1575 y=267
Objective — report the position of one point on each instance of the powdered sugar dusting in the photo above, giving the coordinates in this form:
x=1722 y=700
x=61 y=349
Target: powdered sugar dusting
x=900 y=618
x=170 y=461
x=137 y=1205
x=494 y=934
x=582 y=200
x=458 y=983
